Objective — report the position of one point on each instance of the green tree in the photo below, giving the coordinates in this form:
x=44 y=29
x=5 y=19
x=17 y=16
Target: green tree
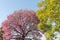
x=0 y=34
x=49 y=16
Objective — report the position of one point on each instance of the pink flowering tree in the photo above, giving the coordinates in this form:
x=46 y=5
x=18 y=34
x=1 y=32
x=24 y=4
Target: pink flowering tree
x=21 y=25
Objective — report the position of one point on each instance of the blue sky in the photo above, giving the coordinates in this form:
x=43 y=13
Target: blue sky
x=9 y=6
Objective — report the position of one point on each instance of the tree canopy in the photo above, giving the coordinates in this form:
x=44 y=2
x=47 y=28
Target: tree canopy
x=49 y=16
x=1 y=34
x=21 y=25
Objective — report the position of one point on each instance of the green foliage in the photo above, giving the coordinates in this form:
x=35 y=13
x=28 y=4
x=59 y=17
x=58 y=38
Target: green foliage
x=0 y=34
x=48 y=14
